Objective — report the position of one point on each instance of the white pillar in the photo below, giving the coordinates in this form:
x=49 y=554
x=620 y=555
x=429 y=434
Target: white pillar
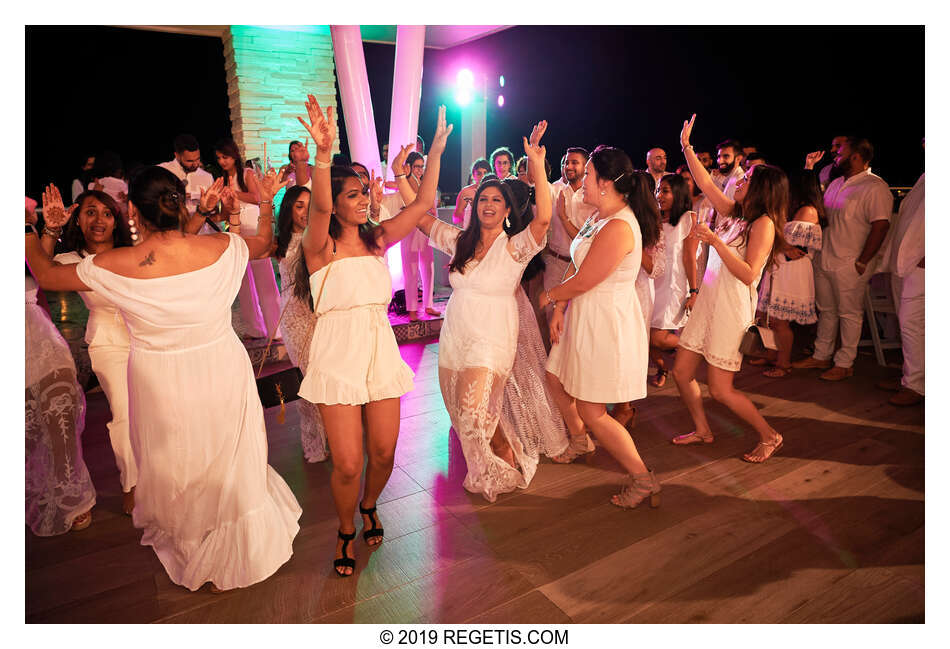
x=407 y=90
x=474 y=131
x=354 y=92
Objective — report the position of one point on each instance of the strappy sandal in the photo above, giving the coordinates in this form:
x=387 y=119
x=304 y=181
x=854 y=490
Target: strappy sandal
x=82 y=521
x=658 y=380
x=345 y=562
x=376 y=530
x=638 y=487
x=770 y=449
x=580 y=445
x=692 y=438
x=777 y=372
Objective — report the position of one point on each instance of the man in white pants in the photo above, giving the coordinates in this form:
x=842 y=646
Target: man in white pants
x=905 y=260
x=859 y=206
x=570 y=212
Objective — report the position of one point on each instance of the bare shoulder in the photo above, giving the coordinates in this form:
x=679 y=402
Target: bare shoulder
x=806 y=213
x=161 y=256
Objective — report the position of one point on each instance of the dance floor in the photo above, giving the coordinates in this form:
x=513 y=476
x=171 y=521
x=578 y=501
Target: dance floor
x=830 y=530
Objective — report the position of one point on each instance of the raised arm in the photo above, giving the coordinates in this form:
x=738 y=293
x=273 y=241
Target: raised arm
x=761 y=240
x=253 y=193
x=48 y=274
x=259 y=245
x=323 y=130
x=53 y=204
x=415 y=213
x=723 y=204
x=566 y=222
x=542 y=190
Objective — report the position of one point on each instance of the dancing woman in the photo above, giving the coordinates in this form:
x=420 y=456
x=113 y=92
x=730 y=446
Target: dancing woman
x=599 y=355
x=477 y=345
x=354 y=359
x=95 y=226
x=726 y=307
x=298 y=319
x=209 y=504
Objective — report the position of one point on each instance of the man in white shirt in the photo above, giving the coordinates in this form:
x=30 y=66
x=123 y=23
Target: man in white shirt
x=905 y=260
x=656 y=164
x=859 y=206
x=729 y=171
x=825 y=174
x=570 y=212
x=185 y=165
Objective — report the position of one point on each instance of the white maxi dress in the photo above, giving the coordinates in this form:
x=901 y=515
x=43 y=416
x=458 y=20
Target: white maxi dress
x=210 y=505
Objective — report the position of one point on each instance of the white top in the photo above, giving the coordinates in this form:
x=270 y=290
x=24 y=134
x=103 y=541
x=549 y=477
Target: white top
x=852 y=204
x=77 y=189
x=577 y=213
x=672 y=286
x=907 y=245
x=727 y=182
x=105 y=325
x=194 y=181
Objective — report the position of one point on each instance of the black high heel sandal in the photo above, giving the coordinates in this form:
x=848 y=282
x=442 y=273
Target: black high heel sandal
x=345 y=561
x=375 y=530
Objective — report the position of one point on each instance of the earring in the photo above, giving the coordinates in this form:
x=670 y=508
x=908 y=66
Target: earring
x=603 y=193
x=507 y=222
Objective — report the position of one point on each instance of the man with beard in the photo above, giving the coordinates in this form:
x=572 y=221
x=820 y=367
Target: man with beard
x=829 y=172
x=186 y=167
x=570 y=212
x=656 y=164
x=728 y=156
x=858 y=205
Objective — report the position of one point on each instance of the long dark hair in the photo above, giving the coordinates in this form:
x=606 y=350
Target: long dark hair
x=767 y=195
x=160 y=198
x=682 y=201
x=643 y=203
x=228 y=147
x=338 y=176
x=468 y=240
x=285 y=219
x=520 y=218
x=805 y=191
x=73 y=238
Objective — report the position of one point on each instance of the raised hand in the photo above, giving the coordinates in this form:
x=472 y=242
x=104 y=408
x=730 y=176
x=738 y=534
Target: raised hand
x=702 y=232
x=442 y=132
x=270 y=184
x=561 y=206
x=229 y=200
x=210 y=196
x=54 y=213
x=532 y=146
x=687 y=131
x=812 y=158
x=399 y=162
x=322 y=128
x=375 y=188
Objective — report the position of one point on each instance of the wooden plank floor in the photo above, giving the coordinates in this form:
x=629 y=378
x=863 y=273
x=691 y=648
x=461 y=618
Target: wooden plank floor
x=830 y=530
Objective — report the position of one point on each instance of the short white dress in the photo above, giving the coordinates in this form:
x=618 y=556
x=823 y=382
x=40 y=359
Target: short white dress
x=788 y=291
x=210 y=505
x=672 y=288
x=723 y=312
x=602 y=355
x=646 y=291
x=354 y=358
x=477 y=348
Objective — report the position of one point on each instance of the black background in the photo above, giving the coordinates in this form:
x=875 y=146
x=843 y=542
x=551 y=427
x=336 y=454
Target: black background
x=788 y=90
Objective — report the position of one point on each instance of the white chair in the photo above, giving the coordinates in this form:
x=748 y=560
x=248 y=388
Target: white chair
x=881 y=317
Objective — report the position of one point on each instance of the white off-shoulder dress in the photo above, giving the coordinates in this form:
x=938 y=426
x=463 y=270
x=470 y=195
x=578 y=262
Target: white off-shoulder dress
x=477 y=348
x=602 y=356
x=210 y=505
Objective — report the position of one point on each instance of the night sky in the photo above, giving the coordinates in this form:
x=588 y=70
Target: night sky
x=787 y=90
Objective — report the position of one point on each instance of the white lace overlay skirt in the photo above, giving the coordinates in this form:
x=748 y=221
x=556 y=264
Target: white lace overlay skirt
x=297 y=329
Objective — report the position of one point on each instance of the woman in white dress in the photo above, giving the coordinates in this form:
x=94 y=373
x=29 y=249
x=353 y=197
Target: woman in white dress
x=258 y=298
x=672 y=289
x=354 y=360
x=210 y=506
x=788 y=291
x=95 y=226
x=417 y=258
x=59 y=491
x=652 y=269
x=298 y=319
x=726 y=306
x=599 y=355
x=478 y=341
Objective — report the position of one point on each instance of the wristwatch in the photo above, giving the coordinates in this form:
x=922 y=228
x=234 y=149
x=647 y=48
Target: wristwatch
x=694 y=291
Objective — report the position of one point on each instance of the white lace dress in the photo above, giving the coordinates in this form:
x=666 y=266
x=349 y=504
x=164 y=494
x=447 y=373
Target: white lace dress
x=646 y=283
x=477 y=347
x=58 y=486
x=672 y=287
x=210 y=505
x=528 y=411
x=788 y=290
x=297 y=329
x=602 y=355
x=723 y=312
